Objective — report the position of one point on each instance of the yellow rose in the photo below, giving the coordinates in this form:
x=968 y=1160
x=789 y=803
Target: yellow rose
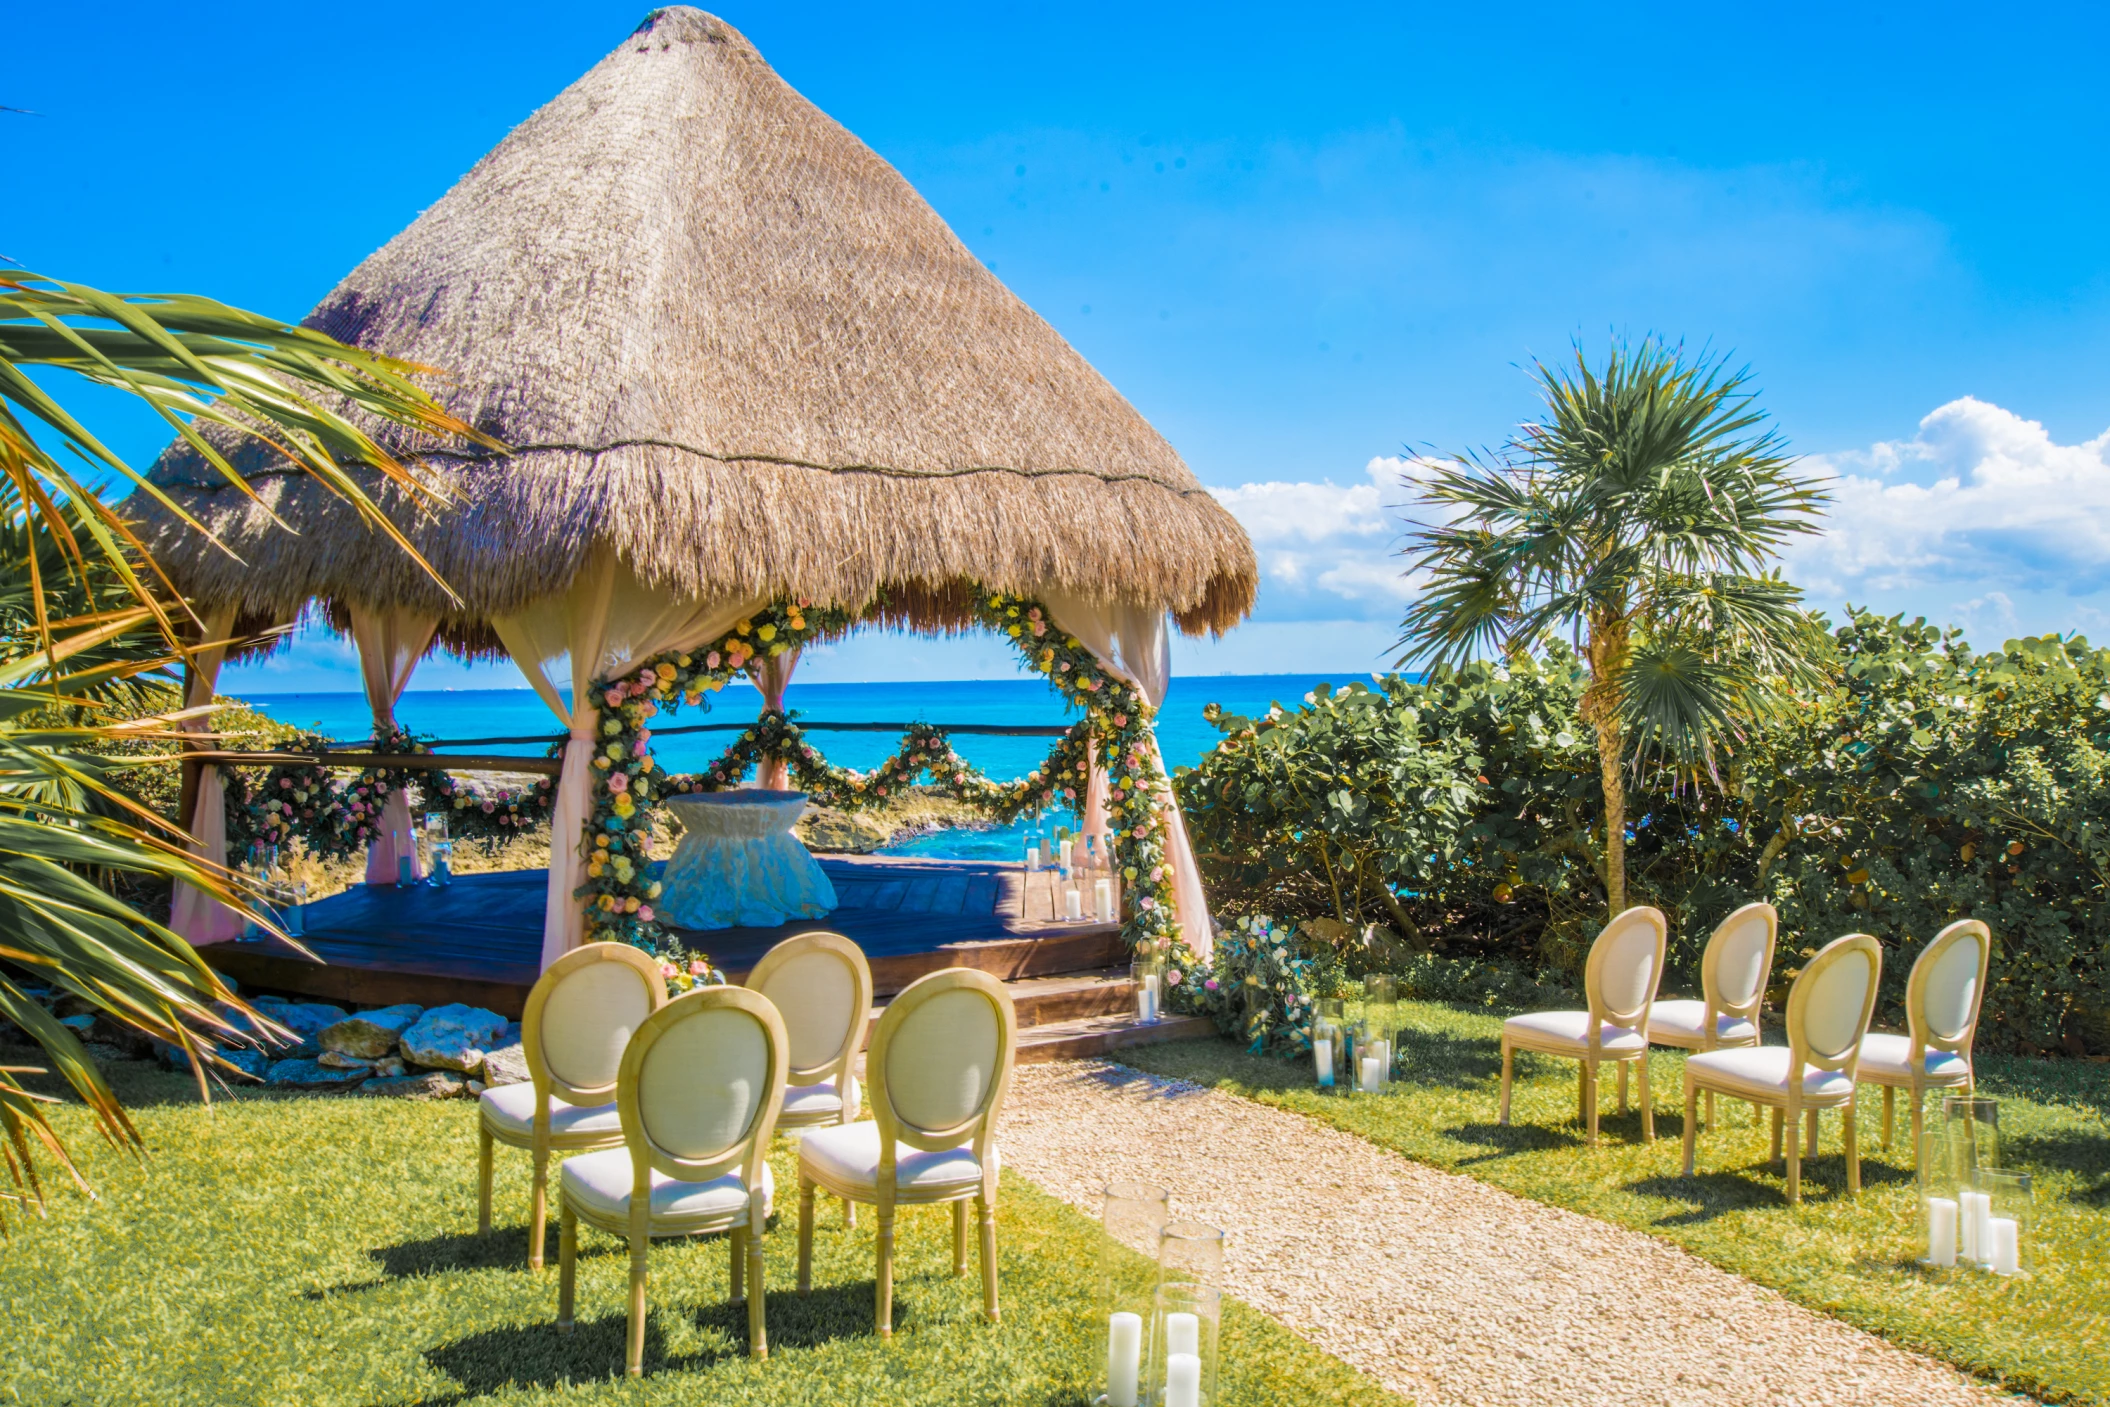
x=767 y=633
x=745 y=626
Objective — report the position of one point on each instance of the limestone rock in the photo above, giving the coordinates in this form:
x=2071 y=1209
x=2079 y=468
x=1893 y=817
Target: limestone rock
x=253 y=1063
x=390 y=1066
x=305 y=1020
x=427 y=1084
x=369 y=1035
x=453 y=1037
x=311 y=1074
x=506 y=1065
x=338 y=1060
x=477 y=1087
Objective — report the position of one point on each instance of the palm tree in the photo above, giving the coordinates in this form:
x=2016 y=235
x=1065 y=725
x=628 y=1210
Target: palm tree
x=86 y=620
x=1641 y=515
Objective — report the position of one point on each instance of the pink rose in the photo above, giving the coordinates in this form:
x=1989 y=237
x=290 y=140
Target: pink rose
x=667 y=969
x=648 y=680
x=618 y=783
x=1146 y=902
x=698 y=969
x=1172 y=978
x=489 y=807
x=614 y=698
x=644 y=913
x=639 y=748
x=710 y=661
x=1120 y=720
x=1210 y=983
x=285 y=783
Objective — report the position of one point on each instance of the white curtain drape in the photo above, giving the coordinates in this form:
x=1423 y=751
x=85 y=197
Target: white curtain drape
x=1134 y=643
x=391 y=642
x=193 y=913
x=606 y=620
x=771 y=675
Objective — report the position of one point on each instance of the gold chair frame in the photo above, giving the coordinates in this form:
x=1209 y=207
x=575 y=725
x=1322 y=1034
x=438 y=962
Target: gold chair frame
x=541 y=1142
x=1600 y=1015
x=1920 y=1029
x=749 y=1154
x=977 y=1130
x=1792 y=1103
x=840 y=1066
x=1717 y=1004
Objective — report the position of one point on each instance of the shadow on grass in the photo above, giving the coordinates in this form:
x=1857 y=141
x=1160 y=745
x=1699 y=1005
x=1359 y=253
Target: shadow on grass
x=1507 y=1140
x=1440 y=1058
x=1710 y=1192
x=2074 y=1150
x=529 y=1356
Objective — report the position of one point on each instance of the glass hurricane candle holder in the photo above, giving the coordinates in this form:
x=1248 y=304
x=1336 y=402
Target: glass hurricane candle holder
x=1381 y=1026
x=1969 y=1140
x=1997 y=1205
x=1329 y=1024
x=1186 y=1325
x=1134 y=1215
x=1147 y=972
x=1036 y=848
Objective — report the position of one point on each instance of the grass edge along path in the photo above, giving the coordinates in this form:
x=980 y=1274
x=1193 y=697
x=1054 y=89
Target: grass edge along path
x=323 y=1250
x=2047 y=1334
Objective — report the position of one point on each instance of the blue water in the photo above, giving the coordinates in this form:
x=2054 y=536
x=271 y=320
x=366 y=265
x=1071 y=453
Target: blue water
x=1182 y=732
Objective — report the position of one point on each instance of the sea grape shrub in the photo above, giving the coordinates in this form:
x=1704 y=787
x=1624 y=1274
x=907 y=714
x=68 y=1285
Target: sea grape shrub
x=1925 y=783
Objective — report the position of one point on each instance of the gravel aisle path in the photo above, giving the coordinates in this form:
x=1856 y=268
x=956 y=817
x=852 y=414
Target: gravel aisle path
x=1446 y=1290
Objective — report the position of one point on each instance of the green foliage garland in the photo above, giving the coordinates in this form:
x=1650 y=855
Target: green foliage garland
x=492 y=818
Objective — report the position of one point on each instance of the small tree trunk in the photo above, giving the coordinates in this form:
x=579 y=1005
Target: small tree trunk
x=1610 y=772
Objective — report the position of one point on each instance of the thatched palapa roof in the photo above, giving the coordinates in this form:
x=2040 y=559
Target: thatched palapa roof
x=726 y=339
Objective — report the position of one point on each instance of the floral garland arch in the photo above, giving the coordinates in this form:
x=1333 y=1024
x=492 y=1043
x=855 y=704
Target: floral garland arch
x=619 y=891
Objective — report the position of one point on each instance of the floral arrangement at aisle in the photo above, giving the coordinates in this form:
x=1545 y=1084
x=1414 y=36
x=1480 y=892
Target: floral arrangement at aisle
x=296 y=801
x=619 y=891
x=685 y=972
x=1257 y=987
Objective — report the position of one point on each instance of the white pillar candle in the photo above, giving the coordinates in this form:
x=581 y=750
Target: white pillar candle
x=1183 y=1334
x=1103 y=899
x=1072 y=904
x=1065 y=849
x=1370 y=1077
x=1974 y=1210
x=2006 y=1238
x=1124 y=1358
x=1941 y=1231
x=1322 y=1055
x=1033 y=857
x=1183 y=1380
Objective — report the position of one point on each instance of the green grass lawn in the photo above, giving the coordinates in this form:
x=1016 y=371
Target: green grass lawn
x=2048 y=1333
x=308 y=1250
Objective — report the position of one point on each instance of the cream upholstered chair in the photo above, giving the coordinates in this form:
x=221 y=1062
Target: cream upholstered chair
x=821 y=985
x=699 y=1090
x=579 y=1017
x=939 y=1067
x=1828 y=1010
x=1941 y=1015
x=1733 y=976
x=1626 y=963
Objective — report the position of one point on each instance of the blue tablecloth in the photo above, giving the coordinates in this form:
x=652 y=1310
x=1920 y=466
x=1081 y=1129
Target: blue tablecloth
x=739 y=865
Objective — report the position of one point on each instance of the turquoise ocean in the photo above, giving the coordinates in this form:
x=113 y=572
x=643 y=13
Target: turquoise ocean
x=1183 y=733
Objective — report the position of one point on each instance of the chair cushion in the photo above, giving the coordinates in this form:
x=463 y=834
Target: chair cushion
x=1883 y=1054
x=512 y=1108
x=850 y=1154
x=1569 y=1030
x=602 y=1181
x=1763 y=1069
x=1685 y=1017
x=816 y=1101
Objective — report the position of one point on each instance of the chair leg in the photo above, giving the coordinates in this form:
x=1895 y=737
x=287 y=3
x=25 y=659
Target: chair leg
x=757 y=1300
x=1853 y=1152
x=567 y=1266
x=635 y=1361
x=805 y=1235
x=538 y=1209
x=986 y=1205
x=1919 y=1136
x=1794 y=1130
x=1890 y=1113
x=1810 y=1143
x=1648 y=1110
x=738 y=1261
x=483 y=1182
x=849 y=1215
x=1622 y=1086
x=1509 y=1056
x=1589 y=1097
x=959 y=1238
x=1710 y=1109
x=883 y=1283
x=1692 y=1128
x=1777 y=1118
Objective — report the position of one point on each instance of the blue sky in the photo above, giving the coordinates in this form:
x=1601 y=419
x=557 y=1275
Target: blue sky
x=1304 y=243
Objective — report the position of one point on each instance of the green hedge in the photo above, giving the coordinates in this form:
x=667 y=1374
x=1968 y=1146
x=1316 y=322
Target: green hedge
x=1460 y=816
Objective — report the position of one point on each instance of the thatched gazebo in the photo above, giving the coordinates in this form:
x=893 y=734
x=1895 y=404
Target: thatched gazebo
x=736 y=359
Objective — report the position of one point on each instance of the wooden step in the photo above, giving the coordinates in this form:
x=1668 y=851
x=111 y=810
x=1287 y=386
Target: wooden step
x=1041 y=1001
x=1096 y=1035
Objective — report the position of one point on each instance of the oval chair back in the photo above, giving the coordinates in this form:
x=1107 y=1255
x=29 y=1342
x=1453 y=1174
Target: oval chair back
x=1625 y=967
x=1830 y=1004
x=1947 y=986
x=1739 y=958
x=580 y=1017
x=821 y=986
x=940 y=1065
x=699 y=1089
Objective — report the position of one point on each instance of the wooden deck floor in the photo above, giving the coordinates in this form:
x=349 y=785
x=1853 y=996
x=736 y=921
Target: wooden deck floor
x=480 y=939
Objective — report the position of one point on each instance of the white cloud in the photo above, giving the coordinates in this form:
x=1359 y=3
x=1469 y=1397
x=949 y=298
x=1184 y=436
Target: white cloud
x=1328 y=540
x=1978 y=508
